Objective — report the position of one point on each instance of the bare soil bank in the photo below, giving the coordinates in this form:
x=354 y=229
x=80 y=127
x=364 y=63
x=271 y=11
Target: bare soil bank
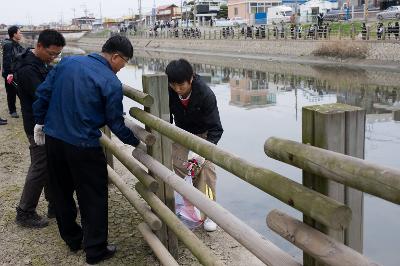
x=22 y=246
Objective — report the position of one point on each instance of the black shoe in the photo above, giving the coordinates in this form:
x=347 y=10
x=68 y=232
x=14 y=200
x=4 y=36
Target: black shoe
x=14 y=115
x=30 y=219
x=3 y=122
x=75 y=248
x=51 y=212
x=107 y=254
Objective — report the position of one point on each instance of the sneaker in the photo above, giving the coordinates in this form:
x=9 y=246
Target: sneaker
x=30 y=219
x=3 y=121
x=209 y=225
x=107 y=254
x=14 y=115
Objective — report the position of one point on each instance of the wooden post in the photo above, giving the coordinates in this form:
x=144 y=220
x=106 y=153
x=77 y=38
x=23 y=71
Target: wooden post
x=396 y=115
x=156 y=85
x=339 y=128
x=340 y=31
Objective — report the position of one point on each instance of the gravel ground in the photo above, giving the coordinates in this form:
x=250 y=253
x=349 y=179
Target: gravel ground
x=22 y=246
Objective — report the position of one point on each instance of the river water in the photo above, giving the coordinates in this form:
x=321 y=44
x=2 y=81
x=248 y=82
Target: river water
x=256 y=104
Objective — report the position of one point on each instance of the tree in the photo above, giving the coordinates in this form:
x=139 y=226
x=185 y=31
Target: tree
x=223 y=11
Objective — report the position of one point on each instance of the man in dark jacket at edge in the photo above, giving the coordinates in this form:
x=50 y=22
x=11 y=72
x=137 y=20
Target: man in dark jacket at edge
x=11 y=49
x=79 y=96
x=31 y=70
x=193 y=107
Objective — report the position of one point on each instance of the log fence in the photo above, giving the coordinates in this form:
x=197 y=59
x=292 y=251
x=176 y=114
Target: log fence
x=151 y=164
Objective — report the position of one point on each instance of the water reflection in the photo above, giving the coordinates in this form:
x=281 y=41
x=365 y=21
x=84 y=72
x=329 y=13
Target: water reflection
x=255 y=105
x=252 y=88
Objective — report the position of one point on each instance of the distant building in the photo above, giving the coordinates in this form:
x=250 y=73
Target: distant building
x=204 y=10
x=250 y=10
x=112 y=22
x=83 y=22
x=168 y=12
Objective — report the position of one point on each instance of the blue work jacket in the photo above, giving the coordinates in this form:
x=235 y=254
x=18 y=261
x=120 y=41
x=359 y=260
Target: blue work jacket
x=79 y=96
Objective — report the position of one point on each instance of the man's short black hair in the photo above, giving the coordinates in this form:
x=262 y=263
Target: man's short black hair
x=118 y=44
x=179 y=71
x=51 y=37
x=12 y=30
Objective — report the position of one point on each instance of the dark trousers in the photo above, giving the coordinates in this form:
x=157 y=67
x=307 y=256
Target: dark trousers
x=11 y=97
x=36 y=179
x=83 y=170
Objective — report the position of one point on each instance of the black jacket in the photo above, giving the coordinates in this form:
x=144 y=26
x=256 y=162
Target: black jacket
x=201 y=115
x=10 y=51
x=30 y=72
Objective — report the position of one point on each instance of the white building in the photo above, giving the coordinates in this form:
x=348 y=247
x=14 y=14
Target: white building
x=312 y=8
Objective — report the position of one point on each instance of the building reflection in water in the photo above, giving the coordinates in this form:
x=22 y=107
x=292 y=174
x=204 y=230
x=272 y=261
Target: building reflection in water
x=256 y=89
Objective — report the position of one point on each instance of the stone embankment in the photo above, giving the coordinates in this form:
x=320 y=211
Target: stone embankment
x=287 y=50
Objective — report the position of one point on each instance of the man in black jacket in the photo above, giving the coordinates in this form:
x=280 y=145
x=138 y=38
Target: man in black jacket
x=193 y=107
x=31 y=69
x=11 y=49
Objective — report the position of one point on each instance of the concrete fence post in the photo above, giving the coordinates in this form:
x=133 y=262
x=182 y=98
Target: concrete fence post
x=339 y=128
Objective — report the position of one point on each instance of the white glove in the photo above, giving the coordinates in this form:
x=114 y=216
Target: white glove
x=38 y=135
x=199 y=159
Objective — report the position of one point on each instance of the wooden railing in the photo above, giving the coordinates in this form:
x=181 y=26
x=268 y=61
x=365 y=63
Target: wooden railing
x=157 y=182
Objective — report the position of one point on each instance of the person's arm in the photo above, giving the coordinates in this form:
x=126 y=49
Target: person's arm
x=7 y=58
x=114 y=113
x=43 y=96
x=212 y=119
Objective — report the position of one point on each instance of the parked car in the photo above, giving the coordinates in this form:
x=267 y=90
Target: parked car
x=392 y=12
x=278 y=14
x=337 y=14
x=238 y=21
x=222 y=22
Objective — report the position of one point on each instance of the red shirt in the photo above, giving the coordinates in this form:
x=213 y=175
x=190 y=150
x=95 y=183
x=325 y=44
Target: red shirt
x=185 y=102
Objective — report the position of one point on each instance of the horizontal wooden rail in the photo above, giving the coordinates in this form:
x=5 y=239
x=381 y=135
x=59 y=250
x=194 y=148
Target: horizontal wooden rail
x=131 y=195
x=377 y=180
x=319 y=207
x=265 y=250
x=192 y=242
x=155 y=244
x=143 y=135
x=322 y=247
x=137 y=95
x=130 y=164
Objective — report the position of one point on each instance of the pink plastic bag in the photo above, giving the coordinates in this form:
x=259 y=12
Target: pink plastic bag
x=186 y=211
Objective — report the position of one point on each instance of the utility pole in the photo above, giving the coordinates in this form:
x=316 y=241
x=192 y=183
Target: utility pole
x=140 y=12
x=101 y=13
x=366 y=11
x=154 y=12
x=74 y=20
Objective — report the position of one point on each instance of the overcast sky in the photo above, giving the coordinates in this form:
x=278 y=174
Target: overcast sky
x=39 y=11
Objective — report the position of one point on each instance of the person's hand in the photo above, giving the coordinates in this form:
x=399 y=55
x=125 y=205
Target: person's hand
x=10 y=78
x=38 y=135
x=195 y=158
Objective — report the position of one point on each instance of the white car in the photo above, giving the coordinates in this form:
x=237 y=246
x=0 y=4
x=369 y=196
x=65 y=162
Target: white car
x=392 y=12
x=238 y=21
x=223 y=23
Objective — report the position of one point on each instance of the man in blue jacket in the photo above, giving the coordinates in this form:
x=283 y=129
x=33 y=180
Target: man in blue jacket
x=79 y=96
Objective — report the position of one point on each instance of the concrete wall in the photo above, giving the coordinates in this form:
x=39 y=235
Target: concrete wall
x=377 y=50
